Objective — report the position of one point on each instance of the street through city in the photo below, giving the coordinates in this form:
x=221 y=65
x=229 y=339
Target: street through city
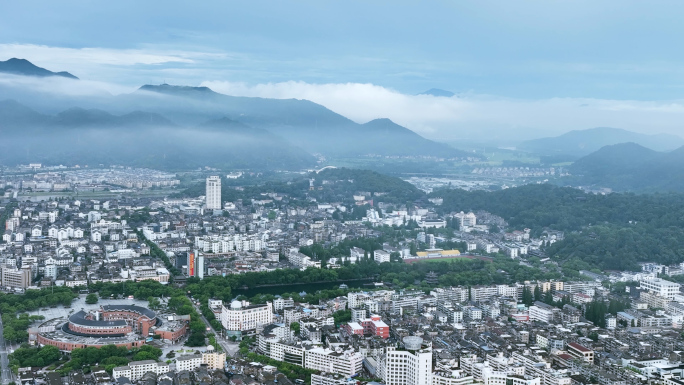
x=230 y=347
x=6 y=374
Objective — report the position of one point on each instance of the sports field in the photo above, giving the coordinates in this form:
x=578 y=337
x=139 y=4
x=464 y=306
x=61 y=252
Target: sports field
x=447 y=259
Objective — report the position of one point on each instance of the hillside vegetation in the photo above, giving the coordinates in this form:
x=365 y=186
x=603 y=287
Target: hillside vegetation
x=614 y=231
x=631 y=167
x=330 y=185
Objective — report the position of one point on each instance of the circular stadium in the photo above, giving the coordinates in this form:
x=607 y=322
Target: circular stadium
x=122 y=325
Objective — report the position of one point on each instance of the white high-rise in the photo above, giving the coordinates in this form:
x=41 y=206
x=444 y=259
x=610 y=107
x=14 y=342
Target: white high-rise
x=411 y=365
x=199 y=267
x=213 y=194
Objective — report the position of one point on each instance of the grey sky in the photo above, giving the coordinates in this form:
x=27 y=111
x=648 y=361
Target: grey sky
x=528 y=49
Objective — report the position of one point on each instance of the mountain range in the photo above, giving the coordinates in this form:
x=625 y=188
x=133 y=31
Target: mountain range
x=91 y=136
x=579 y=143
x=24 y=67
x=190 y=121
x=632 y=167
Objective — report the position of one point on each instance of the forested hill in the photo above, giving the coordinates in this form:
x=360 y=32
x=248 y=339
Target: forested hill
x=613 y=231
x=631 y=167
x=330 y=185
x=339 y=184
x=565 y=208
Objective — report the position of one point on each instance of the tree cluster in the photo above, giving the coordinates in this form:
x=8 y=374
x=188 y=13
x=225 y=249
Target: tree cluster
x=13 y=306
x=614 y=231
x=40 y=357
x=596 y=311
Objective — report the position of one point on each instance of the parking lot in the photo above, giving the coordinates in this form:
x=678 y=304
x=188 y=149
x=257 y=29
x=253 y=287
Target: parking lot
x=79 y=304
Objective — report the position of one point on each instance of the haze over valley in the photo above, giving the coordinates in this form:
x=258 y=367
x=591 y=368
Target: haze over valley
x=95 y=127
x=341 y=193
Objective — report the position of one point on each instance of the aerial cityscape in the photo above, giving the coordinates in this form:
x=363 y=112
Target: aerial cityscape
x=357 y=193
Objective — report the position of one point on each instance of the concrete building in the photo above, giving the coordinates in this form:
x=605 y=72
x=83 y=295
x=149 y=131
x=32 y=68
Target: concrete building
x=580 y=352
x=136 y=369
x=466 y=220
x=381 y=256
x=213 y=359
x=411 y=365
x=346 y=363
x=241 y=316
x=188 y=362
x=51 y=271
x=282 y=303
x=542 y=312
x=660 y=287
x=16 y=278
x=213 y=193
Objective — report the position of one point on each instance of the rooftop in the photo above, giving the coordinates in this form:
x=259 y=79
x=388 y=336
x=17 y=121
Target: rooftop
x=579 y=347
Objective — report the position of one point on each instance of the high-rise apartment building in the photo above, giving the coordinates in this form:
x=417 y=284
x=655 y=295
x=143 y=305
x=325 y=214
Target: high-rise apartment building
x=411 y=365
x=213 y=193
x=195 y=264
x=199 y=266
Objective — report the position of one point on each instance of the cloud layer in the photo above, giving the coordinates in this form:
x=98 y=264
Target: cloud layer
x=42 y=53
x=469 y=116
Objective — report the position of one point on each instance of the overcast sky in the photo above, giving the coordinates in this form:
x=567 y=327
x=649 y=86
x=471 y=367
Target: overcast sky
x=586 y=58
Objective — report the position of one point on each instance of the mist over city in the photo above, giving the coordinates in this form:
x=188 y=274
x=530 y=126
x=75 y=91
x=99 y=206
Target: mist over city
x=341 y=193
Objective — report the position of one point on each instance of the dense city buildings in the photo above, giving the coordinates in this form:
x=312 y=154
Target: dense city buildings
x=410 y=327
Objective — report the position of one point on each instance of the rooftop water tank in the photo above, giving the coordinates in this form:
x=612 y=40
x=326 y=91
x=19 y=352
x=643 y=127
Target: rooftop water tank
x=413 y=342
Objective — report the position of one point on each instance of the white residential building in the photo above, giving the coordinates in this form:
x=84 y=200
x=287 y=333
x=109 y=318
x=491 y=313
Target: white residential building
x=189 y=362
x=51 y=271
x=381 y=256
x=281 y=303
x=347 y=362
x=355 y=254
x=342 y=361
x=660 y=287
x=213 y=359
x=274 y=348
x=466 y=220
x=242 y=316
x=541 y=312
x=491 y=377
x=136 y=369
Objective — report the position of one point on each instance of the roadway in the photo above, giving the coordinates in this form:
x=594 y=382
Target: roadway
x=5 y=373
x=231 y=348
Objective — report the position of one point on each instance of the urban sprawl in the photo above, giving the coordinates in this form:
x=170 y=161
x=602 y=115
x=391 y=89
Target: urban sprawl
x=617 y=327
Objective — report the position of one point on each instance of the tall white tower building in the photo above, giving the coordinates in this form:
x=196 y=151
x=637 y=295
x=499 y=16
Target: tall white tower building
x=213 y=194
x=409 y=366
x=199 y=266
